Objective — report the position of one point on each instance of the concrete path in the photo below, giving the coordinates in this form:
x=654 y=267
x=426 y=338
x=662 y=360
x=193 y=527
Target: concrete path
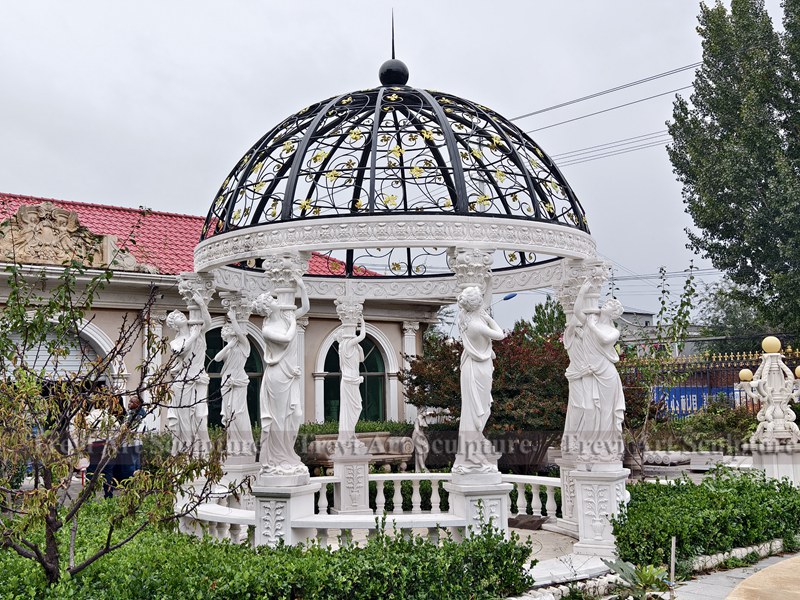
x=779 y=581
x=769 y=585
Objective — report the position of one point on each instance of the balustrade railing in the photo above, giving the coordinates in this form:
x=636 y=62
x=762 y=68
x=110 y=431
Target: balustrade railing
x=410 y=502
x=534 y=495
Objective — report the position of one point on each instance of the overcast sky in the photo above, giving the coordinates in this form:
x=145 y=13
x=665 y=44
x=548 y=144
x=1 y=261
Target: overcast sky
x=152 y=102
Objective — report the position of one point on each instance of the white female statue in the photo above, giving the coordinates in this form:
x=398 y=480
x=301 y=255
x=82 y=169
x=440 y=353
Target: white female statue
x=593 y=427
x=233 y=389
x=478 y=330
x=281 y=404
x=187 y=415
x=351 y=355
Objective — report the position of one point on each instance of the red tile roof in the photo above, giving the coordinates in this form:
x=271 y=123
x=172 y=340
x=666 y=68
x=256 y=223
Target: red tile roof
x=163 y=240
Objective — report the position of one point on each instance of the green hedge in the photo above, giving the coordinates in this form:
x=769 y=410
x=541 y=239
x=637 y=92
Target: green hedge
x=161 y=564
x=727 y=510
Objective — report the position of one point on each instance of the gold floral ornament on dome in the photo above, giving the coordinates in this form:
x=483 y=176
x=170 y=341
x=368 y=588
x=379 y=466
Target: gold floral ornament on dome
x=393 y=97
x=288 y=147
x=319 y=156
x=305 y=204
x=417 y=171
x=391 y=200
x=347 y=100
x=497 y=143
x=427 y=134
x=397 y=151
x=355 y=135
x=333 y=175
x=500 y=175
x=482 y=200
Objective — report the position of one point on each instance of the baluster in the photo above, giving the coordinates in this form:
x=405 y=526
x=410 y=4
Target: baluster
x=236 y=533
x=398 y=497
x=551 y=502
x=536 y=502
x=416 y=497
x=406 y=531
x=380 y=498
x=522 y=503
x=435 y=499
x=323 y=500
x=322 y=536
x=433 y=535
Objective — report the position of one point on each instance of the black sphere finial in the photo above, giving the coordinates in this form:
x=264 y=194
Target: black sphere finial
x=393 y=72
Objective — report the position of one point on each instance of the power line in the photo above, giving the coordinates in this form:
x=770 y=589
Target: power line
x=621 y=142
x=583 y=159
x=608 y=91
x=600 y=112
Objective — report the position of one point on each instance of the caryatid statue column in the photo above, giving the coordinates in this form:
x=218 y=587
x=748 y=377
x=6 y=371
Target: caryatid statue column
x=477 y=492
x=593 y=479
x=281 y=400
x=187 y=416
x=234 y=380
x=351 y=458
x=282 y=490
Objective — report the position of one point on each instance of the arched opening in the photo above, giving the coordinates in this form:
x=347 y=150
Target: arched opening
x=255 y=371
x=373 y=388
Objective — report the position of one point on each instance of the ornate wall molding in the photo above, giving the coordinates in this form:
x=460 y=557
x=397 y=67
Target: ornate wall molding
x=46 y=234
x=393 y=231
x=445 y=289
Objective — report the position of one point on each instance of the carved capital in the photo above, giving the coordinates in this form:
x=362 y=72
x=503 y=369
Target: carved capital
x=472 y=267
x=577 y=272
x=282 y=270
x=410 y=327
x=192 y=284
x=235 y=301
x=302 y=323
x=350 y=310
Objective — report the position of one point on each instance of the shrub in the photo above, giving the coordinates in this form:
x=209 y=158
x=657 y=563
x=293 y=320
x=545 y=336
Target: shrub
x=727 y=510
x=161 y=564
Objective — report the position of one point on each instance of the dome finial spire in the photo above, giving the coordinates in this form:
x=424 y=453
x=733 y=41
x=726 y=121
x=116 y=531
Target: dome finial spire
x=393 y=71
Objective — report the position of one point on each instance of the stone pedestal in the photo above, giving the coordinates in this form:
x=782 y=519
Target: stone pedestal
x=598 y=494
x=776 y=460
x=567 y=523
x=351 y=491
x=479 y=501
x=238 y=472
x=277 y=506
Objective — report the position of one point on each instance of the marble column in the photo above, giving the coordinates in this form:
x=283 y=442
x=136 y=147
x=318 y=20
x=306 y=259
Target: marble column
x=410 y=329
x=239 y=452
x=476 y=490
x=152 y=331
x=352 y=458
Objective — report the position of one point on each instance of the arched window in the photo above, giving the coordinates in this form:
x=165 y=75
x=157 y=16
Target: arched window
x=373 y=388
x=255 y=371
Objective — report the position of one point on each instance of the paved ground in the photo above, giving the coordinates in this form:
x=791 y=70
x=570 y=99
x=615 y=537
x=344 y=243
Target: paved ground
x=774 y=578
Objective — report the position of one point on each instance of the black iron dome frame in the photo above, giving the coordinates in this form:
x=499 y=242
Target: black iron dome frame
x=395 y=150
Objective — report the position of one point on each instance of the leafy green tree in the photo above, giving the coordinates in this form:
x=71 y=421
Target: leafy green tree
x=49 y=418
x=548 y=322
x=725 y=313
x=736 y=148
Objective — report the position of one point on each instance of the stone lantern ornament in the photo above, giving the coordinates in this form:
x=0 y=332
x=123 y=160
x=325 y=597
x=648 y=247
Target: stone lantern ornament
x=412 y=194
x=775 y=445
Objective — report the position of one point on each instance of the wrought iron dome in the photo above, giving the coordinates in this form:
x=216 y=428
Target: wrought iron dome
x=395 y=151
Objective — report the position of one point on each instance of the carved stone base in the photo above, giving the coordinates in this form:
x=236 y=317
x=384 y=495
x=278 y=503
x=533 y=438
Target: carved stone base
x=351 y=492
x=598 y=494
x=567 y=524
x=479 y=504
x=237 y=473
x=266 y=479
x=776 y=460
x=276 y=507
